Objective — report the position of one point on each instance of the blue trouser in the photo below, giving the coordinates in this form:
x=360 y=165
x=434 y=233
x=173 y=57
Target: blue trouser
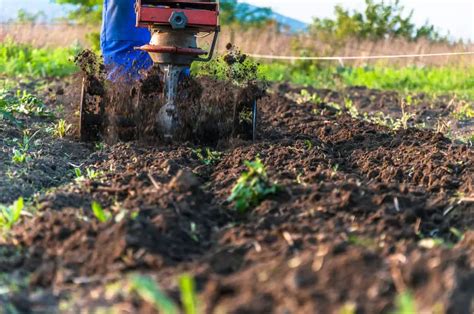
x=118 y=38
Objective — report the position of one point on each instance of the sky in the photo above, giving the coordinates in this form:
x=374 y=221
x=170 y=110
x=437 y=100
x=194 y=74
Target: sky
x=453 y=16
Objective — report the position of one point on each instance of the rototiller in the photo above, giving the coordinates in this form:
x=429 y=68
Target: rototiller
x=175 y=26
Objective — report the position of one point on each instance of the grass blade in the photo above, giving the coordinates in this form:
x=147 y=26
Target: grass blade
x=149 y=291
x=188 y=294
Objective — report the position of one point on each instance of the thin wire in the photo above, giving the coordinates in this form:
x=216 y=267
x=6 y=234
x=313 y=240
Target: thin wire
x=425 y=55
x=203 y=36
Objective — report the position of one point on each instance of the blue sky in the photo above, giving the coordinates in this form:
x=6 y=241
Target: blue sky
x=455 y=16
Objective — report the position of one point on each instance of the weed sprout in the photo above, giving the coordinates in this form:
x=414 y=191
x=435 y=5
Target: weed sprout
x=252 y=187
x=9 y=215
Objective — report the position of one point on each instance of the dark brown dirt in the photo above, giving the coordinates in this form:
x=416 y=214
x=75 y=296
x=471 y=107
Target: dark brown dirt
x=438 y=113
x=210 y=112
x=344 y=231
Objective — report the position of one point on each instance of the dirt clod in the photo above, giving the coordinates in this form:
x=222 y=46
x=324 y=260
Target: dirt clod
x=184 y=181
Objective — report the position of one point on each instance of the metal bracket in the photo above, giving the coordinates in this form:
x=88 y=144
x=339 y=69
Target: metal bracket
x=213 y=47
x=254 y=120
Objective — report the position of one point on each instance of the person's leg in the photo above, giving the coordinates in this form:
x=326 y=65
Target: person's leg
x=118 y=38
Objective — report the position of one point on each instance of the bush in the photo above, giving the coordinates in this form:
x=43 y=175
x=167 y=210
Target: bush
x=87 y=11
x=378 y=21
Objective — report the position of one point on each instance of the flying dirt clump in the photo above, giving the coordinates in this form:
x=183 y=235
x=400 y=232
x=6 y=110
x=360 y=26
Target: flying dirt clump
x=93 y=94
x=211 y=109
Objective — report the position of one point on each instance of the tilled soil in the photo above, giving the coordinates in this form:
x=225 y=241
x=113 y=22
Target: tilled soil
x=351 y=228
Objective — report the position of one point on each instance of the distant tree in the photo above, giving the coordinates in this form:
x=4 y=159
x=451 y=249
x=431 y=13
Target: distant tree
x=24 y=16
x=243 y=14
x=379 y=20
x=86 y=11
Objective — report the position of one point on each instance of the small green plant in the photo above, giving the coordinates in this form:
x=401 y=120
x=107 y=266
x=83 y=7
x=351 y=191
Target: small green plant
x=252 y=187
x=29 y=104
x=22 y=103
x=90 y=174
x=351 y=108
x=233 y=66
x=99 y=146
x=9 y=215
x=464 y=111
x=405 y=304
x=348 y=308
x=19 y=156
x=78 y=173
x=187 y=289
x=100 y=213
x=362 y=241
x=335 y=170
x=149 y=291
x=208 y=156
x=61 y=128
x=405 y=118
x=305 y=97
x=457 y=233
x=335 y=106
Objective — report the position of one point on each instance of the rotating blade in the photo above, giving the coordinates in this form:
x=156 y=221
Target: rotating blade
x=167 y=116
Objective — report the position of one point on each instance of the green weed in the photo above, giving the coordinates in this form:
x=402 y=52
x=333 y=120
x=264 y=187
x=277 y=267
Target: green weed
x=362 y=241
x=22 y=103
x=208 y=156
x=78 y=173
x=405 y=304
x=351 y=108
x=233 y=66
x=188 y=294
x=149 y=291
x=305 y=97
x=406 y=116
x=9 y=215
x=308 y=144
x=61 y=128
x=90 y=174
x=99 y=146
x=252 y=187
x=348 y=308
x=19 y=156
x=464 y=111
x=100 y=213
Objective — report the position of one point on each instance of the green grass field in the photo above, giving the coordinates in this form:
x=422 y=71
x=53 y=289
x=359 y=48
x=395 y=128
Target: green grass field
x=434 y=81
x=22 y=60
